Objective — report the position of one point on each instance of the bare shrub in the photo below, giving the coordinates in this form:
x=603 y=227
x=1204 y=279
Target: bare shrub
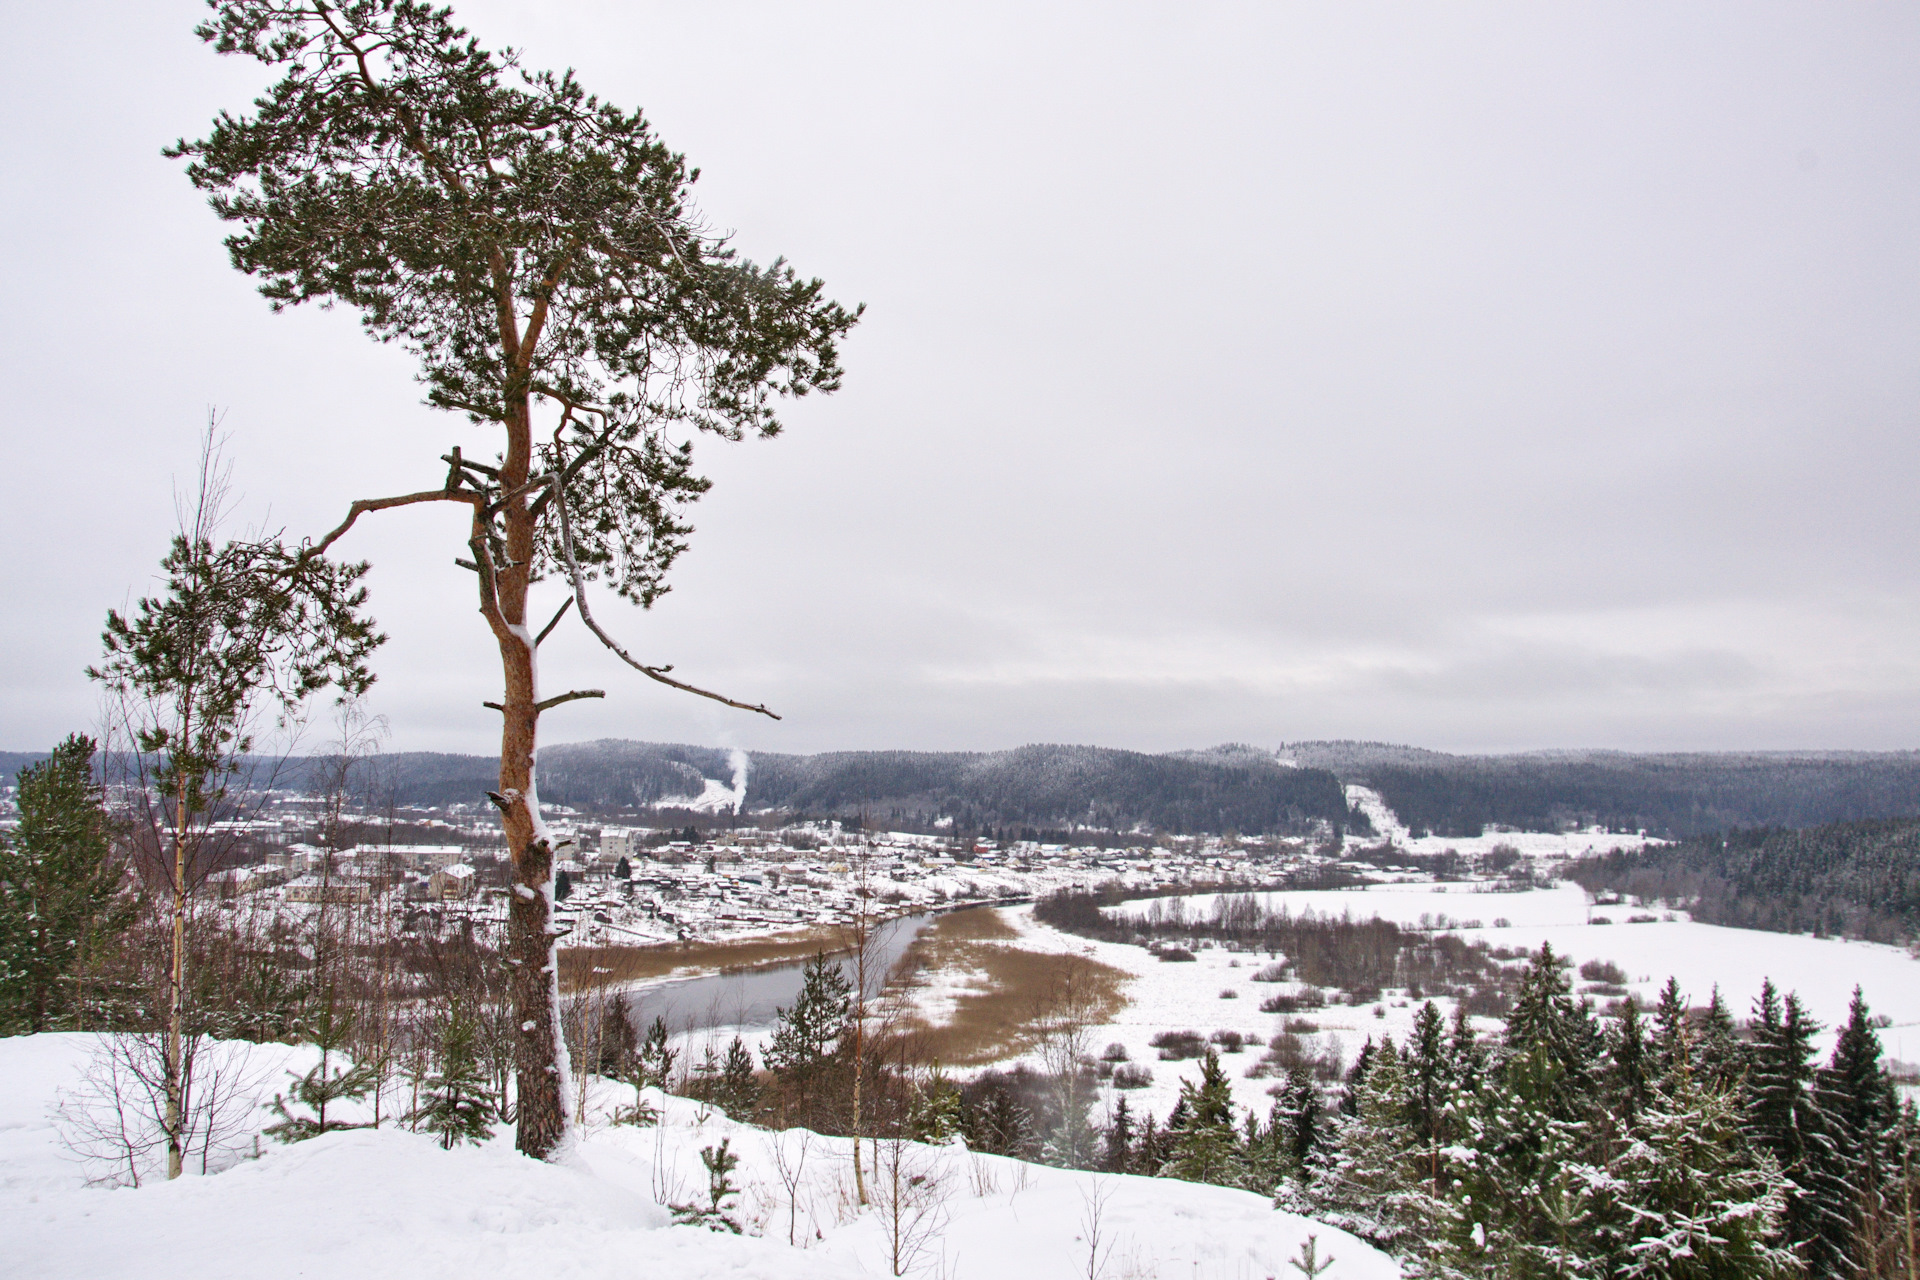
x=115 y=1118
x=1605 y=971
x=1177 y=1046
x=911 y=1199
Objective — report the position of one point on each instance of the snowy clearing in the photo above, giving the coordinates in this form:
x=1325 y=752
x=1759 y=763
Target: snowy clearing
x=1547 y=845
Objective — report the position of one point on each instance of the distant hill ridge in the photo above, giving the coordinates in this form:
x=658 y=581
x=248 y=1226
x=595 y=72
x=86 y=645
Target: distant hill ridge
x=1233 y=786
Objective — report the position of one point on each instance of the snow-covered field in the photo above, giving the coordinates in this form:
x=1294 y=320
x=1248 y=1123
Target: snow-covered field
x=1189 y=996
x=387 y=1203
x=1542 y=845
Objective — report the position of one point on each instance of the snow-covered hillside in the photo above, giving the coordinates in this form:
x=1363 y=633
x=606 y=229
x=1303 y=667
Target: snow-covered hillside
x=388 y=1203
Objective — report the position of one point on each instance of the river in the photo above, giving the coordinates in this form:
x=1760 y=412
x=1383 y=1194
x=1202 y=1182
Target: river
x=749 y=998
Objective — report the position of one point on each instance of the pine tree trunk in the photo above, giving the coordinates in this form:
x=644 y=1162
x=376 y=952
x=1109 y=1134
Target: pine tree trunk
x=540 y=1057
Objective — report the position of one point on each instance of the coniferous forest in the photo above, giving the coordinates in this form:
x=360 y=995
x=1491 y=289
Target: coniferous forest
x=1671 y=1141
x=1848 y=879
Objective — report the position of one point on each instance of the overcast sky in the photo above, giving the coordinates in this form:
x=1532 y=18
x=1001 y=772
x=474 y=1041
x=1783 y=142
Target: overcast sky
x=1480 y=377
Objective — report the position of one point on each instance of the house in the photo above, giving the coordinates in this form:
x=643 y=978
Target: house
x=452 y=882
x=337 y=889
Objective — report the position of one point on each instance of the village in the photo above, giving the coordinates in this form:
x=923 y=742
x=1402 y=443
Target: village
x=631 y=885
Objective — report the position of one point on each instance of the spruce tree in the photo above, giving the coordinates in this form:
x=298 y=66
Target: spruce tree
x=1717 y=1050
x=456 y=1102
x=1629 y=1079
x=1861 y=1104
x=1302 y=1113
x=1151 y=1151
x=1118 y=1156
x=1546 y=1023
x=1670 y=1031
x=60 y=888
x=1691 y=1201
x=1466 y=1057
x=1203 y=1145
x=1374 y=1186
x=936 y=1115
x=1266 y=1150
x=1350 y=1094
x=735 y=1090
x=1520 y=1204
x=1782 y=1117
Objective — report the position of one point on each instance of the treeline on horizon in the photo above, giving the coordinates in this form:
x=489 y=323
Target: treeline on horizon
x=1847 y=879
x=1232 y=789
x=1669 y=796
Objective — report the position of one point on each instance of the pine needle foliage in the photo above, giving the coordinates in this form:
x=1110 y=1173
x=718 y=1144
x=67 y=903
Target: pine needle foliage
x=456 y=1102
x=60 y=888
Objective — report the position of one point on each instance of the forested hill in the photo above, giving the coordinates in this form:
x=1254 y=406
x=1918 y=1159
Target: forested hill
x=1233 y=788
x=1037 y=786
x=1042 y=786
x=1674 y=795
x=1856 y=879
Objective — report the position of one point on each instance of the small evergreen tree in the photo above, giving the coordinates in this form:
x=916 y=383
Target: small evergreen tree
x=807 y=1037
x=1204 y=1145
x=1303 y=1133
x=326 y=1084
x=1118 y=1154
x=653 y=1063
x=1150 y=1153
x=619 y=1046
x=716 y=1214
x=736 y=1091
x=1669 y=1028
x=935 y=1116
x=456 y=1103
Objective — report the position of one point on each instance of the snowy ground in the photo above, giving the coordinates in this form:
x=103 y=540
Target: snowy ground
x=387 y=1203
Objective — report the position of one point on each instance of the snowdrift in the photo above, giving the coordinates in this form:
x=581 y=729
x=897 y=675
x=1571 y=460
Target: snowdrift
x=387 y=1203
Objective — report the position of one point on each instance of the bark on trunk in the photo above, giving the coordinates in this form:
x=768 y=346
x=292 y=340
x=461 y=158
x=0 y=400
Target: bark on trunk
x=542 y=1113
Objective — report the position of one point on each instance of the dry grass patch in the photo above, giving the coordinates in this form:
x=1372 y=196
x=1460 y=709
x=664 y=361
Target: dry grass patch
x=1014 y=992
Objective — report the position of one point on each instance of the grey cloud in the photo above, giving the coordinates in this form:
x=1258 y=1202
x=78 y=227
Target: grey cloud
x=1473 y=375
